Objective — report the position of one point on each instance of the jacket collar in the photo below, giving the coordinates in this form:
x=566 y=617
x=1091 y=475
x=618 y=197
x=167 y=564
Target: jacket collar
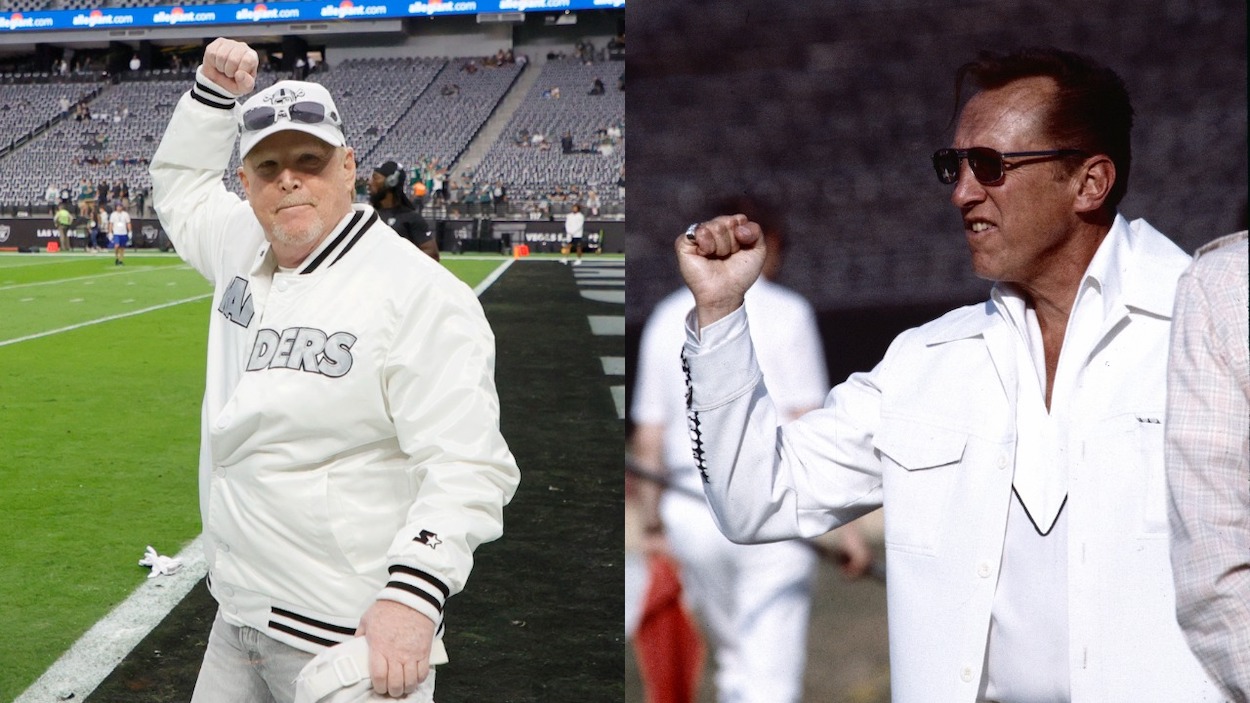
x=1135 y=268
x=345 y=235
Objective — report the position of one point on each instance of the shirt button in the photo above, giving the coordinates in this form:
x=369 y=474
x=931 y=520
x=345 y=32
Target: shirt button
x=966 y=674
x=225 y=548
x=282 y=286
x=220 y=472
x=983 y=569
x=1002 y=461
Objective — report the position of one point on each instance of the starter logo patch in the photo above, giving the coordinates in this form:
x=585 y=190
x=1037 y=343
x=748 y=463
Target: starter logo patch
x=428 y=538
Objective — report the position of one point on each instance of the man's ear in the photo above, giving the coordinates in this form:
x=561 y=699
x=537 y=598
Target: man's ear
x=1096 y=177
x=243 y=178
x=349 y=162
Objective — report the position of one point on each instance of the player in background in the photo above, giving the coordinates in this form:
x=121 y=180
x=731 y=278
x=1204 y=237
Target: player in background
x=388 y=195
x=119 y=231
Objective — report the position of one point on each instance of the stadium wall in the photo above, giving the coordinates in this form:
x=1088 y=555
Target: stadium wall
x=34 y=234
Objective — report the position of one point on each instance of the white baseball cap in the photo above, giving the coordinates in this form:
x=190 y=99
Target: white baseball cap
x=298 y=105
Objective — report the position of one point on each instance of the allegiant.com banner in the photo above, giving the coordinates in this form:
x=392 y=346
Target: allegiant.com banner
x=305 y=11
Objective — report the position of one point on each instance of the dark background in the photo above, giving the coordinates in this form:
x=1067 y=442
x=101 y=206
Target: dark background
x=832 y=110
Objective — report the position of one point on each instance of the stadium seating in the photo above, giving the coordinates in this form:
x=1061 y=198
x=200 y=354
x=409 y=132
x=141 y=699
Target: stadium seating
x=534 y=171
x=415 y=110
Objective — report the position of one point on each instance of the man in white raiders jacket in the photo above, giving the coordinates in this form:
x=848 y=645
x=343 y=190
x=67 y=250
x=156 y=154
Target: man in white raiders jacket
x=1016 y=445
x=350 y=459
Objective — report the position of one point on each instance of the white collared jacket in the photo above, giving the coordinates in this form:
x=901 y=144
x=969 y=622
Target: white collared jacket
x=930 y=433
x=350 y=444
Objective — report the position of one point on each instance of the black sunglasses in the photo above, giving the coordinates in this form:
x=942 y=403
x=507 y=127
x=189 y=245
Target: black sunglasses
x=306 y=112
x=987 y=165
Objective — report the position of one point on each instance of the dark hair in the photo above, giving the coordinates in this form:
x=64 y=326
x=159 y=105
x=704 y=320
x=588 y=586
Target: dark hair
x=1091 y=110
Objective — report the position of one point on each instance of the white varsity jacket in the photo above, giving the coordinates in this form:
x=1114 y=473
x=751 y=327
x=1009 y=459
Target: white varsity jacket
x=350 y=444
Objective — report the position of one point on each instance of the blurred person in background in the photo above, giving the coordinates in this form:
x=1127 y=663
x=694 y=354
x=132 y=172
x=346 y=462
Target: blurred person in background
x=119 y=232
x=63 y=219
x=754 y=600
x=388 y=195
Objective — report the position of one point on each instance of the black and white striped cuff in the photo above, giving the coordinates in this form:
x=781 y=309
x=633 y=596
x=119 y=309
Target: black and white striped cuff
x=211 y=94
x=418 y=590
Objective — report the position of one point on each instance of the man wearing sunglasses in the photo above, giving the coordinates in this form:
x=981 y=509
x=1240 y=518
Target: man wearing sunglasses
x=350 y=456
x=1016 y=445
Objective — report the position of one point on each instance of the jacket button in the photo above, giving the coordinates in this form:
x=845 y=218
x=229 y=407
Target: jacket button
x=225 y=548
x=983 y=569
x=966 y=674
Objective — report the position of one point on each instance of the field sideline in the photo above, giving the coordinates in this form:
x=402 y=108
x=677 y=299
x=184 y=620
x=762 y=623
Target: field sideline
x=99 y=407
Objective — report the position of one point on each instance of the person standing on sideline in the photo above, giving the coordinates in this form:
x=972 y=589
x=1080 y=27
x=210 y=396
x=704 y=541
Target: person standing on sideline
x=754 y=600
x=1207 y=435
x=388 y=195
x=119 y=231
x=1017 y=444
x=573 y=224
x=63 y=220
x=351 y=459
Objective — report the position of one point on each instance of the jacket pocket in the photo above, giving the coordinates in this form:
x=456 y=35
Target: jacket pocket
x=1126 y=457
x=919 y=465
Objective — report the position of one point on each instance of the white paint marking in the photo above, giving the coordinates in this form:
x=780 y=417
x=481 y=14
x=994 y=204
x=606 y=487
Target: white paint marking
x=75 y=300
x=613 y=365
x=584 y=273
x=605 y=296
x=106 y=644
x=146 y=269
x=25 y=300
x=607 y=325
x=618 y=397
x=494 y=276
x=110 y=318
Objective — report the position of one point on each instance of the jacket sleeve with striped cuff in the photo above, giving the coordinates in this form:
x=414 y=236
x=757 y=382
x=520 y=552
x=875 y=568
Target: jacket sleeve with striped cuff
x=440 y=391
x=188 y=193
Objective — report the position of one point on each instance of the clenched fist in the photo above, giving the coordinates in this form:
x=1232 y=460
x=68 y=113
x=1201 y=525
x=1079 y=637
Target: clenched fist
x=231 y=64
x=720 y=259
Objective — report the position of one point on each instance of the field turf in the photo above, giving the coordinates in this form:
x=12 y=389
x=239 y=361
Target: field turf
x=99 y=414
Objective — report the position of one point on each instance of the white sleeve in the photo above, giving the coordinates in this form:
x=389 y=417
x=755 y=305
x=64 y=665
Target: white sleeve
x=188 y=193
x=764 y=482
x=659 y=352
x=440 y=390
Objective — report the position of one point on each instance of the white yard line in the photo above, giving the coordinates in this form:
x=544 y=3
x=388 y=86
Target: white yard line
x=94 y=656
x=146 y=269
x=494 y=276
x=109 y=318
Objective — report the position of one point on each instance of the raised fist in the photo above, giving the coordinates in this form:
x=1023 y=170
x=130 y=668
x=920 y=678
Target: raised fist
x=231 y=64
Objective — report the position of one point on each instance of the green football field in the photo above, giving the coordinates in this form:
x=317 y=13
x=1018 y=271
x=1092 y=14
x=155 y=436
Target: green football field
x=99 y=412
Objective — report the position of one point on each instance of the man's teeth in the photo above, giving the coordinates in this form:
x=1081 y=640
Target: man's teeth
x=980 y=226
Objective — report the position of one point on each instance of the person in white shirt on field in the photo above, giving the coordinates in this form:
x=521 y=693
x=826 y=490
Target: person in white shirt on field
x=573 y=225
x=119 y=232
